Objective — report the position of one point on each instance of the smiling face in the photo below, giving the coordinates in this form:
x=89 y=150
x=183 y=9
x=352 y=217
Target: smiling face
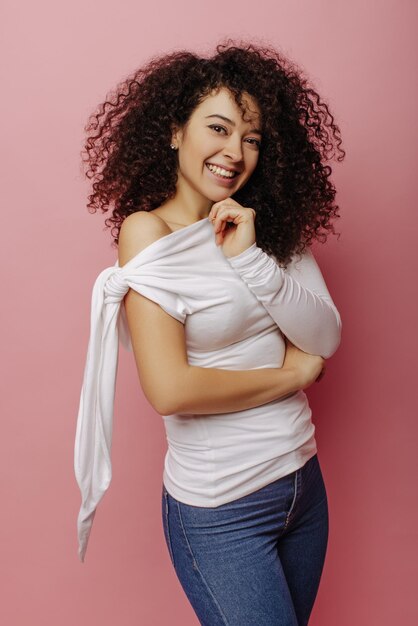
x=217 y=134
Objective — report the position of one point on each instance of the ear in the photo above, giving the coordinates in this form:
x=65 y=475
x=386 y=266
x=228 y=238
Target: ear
x=176 y=135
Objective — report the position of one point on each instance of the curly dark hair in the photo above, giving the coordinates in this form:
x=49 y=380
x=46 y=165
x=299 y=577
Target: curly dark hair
x=134 y=168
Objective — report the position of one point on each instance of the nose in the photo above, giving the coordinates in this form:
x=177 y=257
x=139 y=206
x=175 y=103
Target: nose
x=233 y=148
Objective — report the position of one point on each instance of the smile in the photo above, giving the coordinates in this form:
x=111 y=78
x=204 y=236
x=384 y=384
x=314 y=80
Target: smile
x=220 y=172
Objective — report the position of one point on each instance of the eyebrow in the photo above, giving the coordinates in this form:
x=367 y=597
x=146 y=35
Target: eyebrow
x=253 y=130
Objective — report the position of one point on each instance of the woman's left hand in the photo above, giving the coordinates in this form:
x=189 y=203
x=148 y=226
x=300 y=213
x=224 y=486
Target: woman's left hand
x=238 y=237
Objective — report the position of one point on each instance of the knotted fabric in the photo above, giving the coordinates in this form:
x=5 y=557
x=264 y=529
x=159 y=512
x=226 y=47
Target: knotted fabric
x=154 y=273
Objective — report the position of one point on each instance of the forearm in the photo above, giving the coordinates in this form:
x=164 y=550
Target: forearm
x=201 y=390
x=296 y=299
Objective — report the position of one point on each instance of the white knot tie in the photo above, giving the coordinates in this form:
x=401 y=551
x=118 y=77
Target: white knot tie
x=115 y=285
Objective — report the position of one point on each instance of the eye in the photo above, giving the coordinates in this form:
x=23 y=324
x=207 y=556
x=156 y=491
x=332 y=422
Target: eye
x=257 y=143
x=216 y=126
x=254 y=142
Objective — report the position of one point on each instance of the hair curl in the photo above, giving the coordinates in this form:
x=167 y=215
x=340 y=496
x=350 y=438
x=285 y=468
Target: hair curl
x=133 y=167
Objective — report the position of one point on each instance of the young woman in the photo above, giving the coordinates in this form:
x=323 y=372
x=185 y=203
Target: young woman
x=215 y=167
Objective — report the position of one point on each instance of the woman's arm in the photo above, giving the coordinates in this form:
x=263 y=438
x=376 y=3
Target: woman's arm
x=296 y=299
x=169 y=383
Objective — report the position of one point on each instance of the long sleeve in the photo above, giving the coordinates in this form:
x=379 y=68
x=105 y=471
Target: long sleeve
x=297 y=299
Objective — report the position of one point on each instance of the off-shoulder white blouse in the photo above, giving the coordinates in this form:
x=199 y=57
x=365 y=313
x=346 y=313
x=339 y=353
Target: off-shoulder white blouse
x=235 y=311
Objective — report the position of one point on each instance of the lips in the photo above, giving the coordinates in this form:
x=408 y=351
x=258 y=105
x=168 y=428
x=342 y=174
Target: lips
x=228 y=169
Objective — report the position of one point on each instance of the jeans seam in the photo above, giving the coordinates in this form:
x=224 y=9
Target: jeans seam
x=168 y=528
x=195 y=564
x=293 y=501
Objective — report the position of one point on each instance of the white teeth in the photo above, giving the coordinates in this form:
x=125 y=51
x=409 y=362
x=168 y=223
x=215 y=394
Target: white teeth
x=218 y=170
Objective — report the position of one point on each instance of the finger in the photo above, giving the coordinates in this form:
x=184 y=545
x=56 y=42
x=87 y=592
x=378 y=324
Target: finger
x=227 y=203
x=321 y=375
x=232 y=213
x=223 y=216
x=219 y=230
x=219 y=205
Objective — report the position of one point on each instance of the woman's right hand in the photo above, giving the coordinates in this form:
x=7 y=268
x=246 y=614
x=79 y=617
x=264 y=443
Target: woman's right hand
x=310 y=367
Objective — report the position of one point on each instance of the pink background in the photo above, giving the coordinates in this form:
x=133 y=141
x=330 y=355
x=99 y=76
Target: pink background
x=62 y=58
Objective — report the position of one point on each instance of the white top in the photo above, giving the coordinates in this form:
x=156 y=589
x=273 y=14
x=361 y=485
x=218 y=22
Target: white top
x=234 y=311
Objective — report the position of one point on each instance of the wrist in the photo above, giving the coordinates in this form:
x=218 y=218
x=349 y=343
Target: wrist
x=293 y=378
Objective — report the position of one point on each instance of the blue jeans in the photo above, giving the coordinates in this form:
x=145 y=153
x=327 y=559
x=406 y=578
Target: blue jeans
x=255 y=561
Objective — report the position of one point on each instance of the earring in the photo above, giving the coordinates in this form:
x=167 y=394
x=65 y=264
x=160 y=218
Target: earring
x=172 y=146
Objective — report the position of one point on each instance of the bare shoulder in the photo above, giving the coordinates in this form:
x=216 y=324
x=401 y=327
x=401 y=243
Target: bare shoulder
x=138 y=231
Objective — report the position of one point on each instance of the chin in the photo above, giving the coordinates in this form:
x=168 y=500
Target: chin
x=222 y=196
